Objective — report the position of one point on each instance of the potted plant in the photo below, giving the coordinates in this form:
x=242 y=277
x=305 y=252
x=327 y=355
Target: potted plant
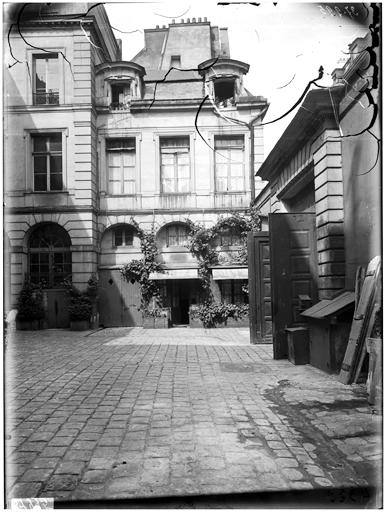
x=80 y=310
x=156 y=318
x=30 y=307
x=239 y=316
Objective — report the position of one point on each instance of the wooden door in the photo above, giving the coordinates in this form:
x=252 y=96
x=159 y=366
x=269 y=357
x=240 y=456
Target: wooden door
x=259 y=285
x=119 y=301
x=57 y=315
x=293 y=271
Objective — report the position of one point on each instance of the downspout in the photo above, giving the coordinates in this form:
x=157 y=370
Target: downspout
x=252 y=152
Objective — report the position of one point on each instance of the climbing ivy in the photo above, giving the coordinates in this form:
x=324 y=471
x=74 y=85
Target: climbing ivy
x=139 y=270
x=200 y=241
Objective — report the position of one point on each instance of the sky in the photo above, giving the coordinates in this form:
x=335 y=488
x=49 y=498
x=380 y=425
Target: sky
x=284 y=44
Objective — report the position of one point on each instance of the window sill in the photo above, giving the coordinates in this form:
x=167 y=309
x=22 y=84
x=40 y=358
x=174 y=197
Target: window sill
x=232 y=192
x=46 y=192
x=120 y=195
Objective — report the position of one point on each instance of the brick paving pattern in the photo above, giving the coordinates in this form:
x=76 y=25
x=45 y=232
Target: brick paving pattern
x=125 y=413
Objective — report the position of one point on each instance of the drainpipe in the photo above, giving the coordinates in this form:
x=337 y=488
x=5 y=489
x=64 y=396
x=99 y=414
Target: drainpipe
x=252 y=152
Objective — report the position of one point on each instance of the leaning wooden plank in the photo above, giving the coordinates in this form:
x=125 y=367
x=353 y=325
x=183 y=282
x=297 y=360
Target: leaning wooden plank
x=354 y=341
x=359 y=277
x=368 y=325
x=367 y=334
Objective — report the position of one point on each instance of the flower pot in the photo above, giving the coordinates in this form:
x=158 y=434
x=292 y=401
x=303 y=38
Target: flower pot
x=79 y=325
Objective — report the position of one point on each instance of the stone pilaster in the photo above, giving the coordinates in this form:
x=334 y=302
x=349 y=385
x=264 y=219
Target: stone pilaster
x=329 y=213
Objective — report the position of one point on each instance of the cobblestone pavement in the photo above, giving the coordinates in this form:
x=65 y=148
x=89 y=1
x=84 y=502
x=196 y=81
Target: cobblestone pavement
x=128 y=413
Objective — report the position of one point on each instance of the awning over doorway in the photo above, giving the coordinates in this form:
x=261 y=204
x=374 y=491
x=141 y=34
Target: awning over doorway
x=229 y=273
x=175 y=273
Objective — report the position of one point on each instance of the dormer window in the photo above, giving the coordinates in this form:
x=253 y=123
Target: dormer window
x=120 y=96
x=224 y=92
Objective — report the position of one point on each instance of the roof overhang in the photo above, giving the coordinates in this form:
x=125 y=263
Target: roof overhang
x=317 y=107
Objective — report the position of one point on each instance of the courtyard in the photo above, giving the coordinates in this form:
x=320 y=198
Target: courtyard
x=125 y=414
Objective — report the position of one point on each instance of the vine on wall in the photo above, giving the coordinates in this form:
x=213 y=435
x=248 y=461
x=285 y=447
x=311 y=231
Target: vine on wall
x=139 y=270
x=200 y=241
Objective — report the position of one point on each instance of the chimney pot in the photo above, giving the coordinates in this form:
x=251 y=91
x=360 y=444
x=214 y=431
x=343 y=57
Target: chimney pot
x=199 y=20
x=188 y=20
x=193 y=20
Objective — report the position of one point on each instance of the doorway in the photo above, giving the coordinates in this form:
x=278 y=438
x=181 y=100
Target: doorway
x=178 y=295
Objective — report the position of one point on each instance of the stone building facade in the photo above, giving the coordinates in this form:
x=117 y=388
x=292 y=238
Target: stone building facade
x=93 y=142
x=327 y=162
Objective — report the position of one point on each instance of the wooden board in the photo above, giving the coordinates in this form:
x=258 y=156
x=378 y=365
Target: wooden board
x=360 y=323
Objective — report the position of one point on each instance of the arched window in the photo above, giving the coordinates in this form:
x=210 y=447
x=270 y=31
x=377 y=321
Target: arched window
x=49 y=255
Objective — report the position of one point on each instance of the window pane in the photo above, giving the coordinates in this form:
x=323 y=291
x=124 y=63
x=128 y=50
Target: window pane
x=237 y=170
x=56 y=182
x=183 y=159
x=236 y=155
x=183 y=171
x=115 y=187
x=221 y=184
x=40 y=182
x=40 y=75
x=40 y=164
x=236 y=184
x=115 y=174
x=168 y=186
x=183 y=185
x=173 y=142
x=167 y=158
x=129 y=173
x=39 y=143
x=167 y=171
x=222 y=170
x=114 y=159
x=118 y=237
x=128 y=158
x=55 y=142
x=55 y=163
x=129 y=187
x=128 y=236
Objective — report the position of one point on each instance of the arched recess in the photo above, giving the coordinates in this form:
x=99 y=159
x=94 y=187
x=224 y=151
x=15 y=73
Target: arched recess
x=49 y=255
x=119 y=244
x=119 y=300
x=50 y=265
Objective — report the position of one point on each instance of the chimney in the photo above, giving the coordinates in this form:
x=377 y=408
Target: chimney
x=157 y=26
x=182 y=21
x=224 y=42
x=173 y=21
x=188 y=20
x=199 y=20
x=205 y=19
x=193 y=20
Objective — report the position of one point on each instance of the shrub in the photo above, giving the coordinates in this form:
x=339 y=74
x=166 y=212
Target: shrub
x=80 y=307
x=30 y=303
x=212 y=313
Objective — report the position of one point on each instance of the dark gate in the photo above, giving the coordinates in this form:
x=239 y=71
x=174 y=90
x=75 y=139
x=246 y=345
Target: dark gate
x=119 y=301
x=259 y=285
x=294 y=271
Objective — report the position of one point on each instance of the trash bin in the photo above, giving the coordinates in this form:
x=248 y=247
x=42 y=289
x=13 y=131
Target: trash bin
x=298 y=345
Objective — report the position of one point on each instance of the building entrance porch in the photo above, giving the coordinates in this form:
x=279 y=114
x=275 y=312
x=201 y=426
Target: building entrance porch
x=179 y=295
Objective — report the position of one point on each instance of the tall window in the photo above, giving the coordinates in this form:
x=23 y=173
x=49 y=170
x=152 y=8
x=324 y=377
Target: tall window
x=176 y=235
x=123 y=236
x=229 y=163
x=46 y=79
x=50 y=255
x=121 y=166
x=47 y=162
x=175 y=165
